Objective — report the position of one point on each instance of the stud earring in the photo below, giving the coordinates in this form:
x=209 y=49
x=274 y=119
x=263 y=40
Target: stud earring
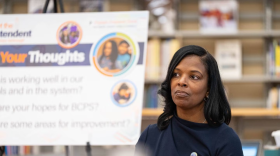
x=206 y=98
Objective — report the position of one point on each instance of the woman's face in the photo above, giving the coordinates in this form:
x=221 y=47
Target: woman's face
x=65 y=32
x=108 y=49
x=189 y=83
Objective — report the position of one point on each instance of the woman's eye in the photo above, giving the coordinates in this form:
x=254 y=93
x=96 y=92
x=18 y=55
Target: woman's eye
x=195 y=77
x=175 y=74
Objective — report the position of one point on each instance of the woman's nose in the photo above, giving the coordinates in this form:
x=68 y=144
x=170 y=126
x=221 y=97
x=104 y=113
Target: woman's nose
x=182 y=82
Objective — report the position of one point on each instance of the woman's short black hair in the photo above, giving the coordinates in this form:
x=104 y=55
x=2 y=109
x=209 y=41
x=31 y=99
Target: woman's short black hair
x=216 y=108
x=123 y=86
x=125 y=42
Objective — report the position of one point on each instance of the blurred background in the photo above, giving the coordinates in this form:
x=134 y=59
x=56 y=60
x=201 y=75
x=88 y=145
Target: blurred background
x=243 y=35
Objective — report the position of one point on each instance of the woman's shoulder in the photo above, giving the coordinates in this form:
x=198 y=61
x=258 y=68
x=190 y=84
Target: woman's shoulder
x=147 y=139
x=226 y=132
x=224 y=128
x=151 y=130
x=149 y=133
x=228 y=141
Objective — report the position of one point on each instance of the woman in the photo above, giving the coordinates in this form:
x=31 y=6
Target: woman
x=65 y=36
x=107 y=60
x=196 y=112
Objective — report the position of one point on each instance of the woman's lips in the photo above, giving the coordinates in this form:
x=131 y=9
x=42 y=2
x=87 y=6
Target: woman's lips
x=181 y=94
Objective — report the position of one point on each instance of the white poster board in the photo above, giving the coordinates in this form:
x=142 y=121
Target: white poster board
x=229 y=58
x=66 y=79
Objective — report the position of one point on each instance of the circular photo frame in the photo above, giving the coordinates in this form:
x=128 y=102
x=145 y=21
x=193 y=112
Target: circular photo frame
x=114 y=54
x=123 y=93
x=69 y=34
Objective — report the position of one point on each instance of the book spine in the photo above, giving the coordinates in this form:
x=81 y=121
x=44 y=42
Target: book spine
x=6 y=150
x=35 y=150
x=269 y=60
x=21 y=150
x=278 y=100
x=277 y=58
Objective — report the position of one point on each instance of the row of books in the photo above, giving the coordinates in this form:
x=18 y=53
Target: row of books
x=159 y=54
x=151 y=96
x=30 y=150
x=228 y=54
x=153 y=100
x=18 y=150
x=273 y=59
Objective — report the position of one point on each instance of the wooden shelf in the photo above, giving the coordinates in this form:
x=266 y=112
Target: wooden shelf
x=197 y=34
x=253 y=79
x=234 y=111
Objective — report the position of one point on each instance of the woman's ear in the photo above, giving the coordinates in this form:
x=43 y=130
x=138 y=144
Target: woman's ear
x=207 y=94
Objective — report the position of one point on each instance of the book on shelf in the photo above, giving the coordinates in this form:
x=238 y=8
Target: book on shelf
x=35 y=150
x=270 y=61
x=159 y=55
x=273 y=59
x=273 y=100
x=168 y=49
x=58 y=149
x=218 y=16
x=151 y=97
x=152 y=70
x=229 y=58
x=277 y=58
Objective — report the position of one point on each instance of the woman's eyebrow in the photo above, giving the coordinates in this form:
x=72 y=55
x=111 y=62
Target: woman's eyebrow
x=193 y=71
x=177 y=69
x=196 y=71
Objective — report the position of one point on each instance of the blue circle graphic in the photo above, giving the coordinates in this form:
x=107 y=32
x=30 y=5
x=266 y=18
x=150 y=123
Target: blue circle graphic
x=133 y=98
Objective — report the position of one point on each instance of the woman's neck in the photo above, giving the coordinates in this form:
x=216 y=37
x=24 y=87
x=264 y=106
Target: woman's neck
x=193 y=115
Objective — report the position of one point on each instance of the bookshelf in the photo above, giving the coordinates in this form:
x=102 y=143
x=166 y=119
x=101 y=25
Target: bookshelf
x=241 y=112
x=259 y=24
x=51 y=154
x=244 y=79
x=197 y=34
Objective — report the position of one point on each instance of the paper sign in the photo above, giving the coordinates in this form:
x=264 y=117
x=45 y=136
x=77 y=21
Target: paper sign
x=67 y=79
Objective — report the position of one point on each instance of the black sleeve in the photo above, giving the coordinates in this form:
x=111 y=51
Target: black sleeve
x=228 y=144
x=140 y=146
